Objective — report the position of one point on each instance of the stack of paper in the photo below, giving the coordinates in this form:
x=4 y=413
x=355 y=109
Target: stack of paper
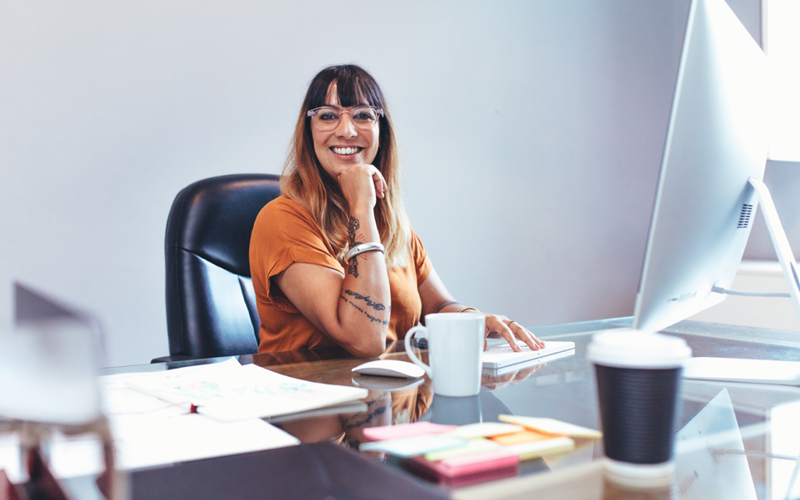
x=228 y=391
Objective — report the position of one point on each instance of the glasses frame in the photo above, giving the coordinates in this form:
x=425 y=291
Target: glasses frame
x=313 y=112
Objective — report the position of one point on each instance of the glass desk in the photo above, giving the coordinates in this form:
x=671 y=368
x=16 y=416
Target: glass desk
x=766 y=416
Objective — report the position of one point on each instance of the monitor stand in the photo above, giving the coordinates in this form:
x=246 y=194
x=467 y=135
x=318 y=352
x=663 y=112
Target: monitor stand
x=758 y=370
x=782 y=249
x=779 y=241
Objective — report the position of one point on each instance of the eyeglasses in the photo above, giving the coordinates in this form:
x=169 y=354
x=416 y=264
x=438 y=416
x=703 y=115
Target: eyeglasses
x=327 y=117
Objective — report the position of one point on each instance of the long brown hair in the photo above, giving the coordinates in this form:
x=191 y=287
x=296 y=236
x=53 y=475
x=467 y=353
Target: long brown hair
x=305 y=181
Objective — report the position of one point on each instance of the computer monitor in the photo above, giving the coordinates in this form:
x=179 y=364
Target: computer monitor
x=716 y=141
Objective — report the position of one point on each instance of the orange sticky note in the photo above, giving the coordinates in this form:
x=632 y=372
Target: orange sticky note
x=525 y=436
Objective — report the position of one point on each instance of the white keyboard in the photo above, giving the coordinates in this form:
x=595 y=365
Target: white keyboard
x=499 y=354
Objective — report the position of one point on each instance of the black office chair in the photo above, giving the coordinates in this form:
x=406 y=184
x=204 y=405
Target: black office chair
x=211 y=306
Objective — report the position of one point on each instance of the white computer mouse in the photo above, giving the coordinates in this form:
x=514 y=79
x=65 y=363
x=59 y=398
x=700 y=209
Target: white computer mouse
x=390 y=368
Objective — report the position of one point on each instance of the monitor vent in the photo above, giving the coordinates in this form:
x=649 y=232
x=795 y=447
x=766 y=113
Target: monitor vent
x=744 y=217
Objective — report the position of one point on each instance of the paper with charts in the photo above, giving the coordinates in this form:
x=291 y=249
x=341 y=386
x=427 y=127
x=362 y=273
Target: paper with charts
x=228 y=391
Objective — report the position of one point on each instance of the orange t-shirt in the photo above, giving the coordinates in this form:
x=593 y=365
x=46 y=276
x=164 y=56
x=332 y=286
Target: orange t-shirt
x=285 y=233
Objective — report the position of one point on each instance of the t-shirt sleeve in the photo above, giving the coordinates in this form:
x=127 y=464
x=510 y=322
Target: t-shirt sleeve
x=282 y=235
x=422 y=263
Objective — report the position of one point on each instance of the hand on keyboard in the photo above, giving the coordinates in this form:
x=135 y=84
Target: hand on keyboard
x=498 y=326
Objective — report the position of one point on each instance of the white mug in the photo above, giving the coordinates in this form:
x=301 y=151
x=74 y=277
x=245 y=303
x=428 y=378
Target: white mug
x=455 y=344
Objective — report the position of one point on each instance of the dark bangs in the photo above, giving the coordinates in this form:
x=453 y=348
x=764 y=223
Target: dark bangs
x=354 y=86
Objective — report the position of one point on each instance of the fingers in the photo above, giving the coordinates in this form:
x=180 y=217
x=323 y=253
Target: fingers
x=380 y=183
x=495 y=325
x=526 y=336
x=361 y=184
x=511 y=330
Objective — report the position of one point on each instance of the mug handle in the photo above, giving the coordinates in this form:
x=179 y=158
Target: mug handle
x=410 y=352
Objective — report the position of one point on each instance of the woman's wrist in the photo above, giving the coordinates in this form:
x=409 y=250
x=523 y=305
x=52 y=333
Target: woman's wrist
x=365 y=247
x=362 y=229
x=364 y=214
x=455 y=307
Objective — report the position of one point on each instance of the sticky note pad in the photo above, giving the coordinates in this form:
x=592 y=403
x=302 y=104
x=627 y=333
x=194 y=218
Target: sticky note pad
x=414 y=445
x=523 y=436
x=406 y=430
x=470 y=464
x=536 y=449
x=552 y=426
x=477 y=445
x=484 y=429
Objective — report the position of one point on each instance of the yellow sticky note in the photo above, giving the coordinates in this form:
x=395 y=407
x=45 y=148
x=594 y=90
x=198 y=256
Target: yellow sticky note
x=524 y=436
x=483 y=429
x=552 y=426
x=536 y=449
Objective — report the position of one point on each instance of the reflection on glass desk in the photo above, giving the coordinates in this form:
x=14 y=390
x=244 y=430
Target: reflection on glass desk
x=766 y=416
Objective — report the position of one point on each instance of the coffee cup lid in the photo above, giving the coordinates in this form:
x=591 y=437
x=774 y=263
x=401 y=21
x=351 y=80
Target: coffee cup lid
x=630 y=348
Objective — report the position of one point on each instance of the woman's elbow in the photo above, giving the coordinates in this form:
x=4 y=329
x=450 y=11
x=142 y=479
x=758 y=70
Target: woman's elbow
x=372 y=351
x=368 y=347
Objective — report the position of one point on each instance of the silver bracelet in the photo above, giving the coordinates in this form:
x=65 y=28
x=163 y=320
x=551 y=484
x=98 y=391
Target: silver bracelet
x=364 y=247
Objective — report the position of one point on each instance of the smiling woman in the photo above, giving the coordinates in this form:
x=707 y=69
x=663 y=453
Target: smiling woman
x=334 y=260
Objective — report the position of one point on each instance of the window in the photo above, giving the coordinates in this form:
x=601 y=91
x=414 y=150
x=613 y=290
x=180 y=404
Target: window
x=781 y=42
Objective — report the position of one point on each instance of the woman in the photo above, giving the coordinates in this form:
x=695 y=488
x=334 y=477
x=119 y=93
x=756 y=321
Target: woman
x=333 y=259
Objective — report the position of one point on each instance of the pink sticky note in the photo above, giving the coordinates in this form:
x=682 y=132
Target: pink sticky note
x=468 y=464
x=405 y=430
x=478 y=462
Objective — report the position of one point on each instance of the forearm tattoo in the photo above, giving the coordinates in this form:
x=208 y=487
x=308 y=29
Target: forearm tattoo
x=371 y=317
x=375 y=305
x=352 y=227
x=351 y=230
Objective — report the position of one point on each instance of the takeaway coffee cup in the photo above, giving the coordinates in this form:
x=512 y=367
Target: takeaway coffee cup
x=455 y=344
x=638 y=385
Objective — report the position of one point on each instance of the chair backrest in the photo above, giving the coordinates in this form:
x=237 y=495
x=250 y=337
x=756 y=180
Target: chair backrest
x=211 y=306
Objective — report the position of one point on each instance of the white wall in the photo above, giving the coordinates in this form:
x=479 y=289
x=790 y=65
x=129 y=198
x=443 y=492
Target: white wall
x=531 y=134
